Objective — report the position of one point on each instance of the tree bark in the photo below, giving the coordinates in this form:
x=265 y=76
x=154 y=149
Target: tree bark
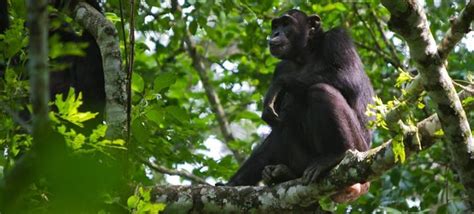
x=409 y=20
x=116 y=80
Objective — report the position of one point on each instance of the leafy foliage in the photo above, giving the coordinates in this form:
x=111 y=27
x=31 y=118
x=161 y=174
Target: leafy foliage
x=174 y=125
x=141 y=202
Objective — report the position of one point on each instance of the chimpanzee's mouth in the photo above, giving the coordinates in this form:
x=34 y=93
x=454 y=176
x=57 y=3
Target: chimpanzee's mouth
x=277 y=46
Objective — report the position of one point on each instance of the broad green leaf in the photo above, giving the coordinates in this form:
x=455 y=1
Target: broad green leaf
x=139 y=132
x=157 y=208
x=112 y=17
x=164 y=80
x=178 y=113
x=68 y=108
x=98 y=133
x=156 y=115
x=193 y=27
x=132 y=201
x=137 y=82
x=468 y=101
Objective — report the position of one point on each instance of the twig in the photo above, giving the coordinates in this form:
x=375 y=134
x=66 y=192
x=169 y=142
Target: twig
x=122 y=21
x=465 y=88
x=212 y=96
x=131 y=60
x=387 y=58
x=16 y=118
x=182 y=173
x=389 y=44
x=366 y=25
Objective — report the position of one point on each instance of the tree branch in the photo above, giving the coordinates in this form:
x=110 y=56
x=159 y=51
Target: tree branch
x=368 y=28
x=214 y=101
x=382 y=54
x=389 y=44
x=409 y=20
x=16 y=118
x=212 y=96
x=182 y=173
x=115 y=78
x=356 y=167
x=459 y=27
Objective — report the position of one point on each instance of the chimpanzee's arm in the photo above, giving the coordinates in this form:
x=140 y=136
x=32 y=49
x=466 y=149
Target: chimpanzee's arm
x=269 y=113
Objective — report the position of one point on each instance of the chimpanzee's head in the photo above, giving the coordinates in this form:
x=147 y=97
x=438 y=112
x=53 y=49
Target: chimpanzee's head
x=291 y=33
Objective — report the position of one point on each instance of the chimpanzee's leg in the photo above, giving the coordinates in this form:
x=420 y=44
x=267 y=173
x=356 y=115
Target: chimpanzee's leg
x=331 y=128
x=267 y=153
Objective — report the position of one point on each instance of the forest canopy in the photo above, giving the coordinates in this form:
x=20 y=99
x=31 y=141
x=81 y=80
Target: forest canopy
x=118 y=106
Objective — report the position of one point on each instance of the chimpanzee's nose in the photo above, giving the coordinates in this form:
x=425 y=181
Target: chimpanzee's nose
x=276 y=34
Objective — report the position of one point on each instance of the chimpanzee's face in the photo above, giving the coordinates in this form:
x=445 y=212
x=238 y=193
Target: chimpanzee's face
x=283 y=38
x=291 y=33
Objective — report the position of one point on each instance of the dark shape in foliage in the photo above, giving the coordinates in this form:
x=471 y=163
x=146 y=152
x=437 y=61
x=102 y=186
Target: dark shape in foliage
x=84 y=73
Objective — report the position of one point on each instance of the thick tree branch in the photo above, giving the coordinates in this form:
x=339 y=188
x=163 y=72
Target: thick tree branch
x=293 y=195
x=115 y=78
x=409 y=20
x=459 y=27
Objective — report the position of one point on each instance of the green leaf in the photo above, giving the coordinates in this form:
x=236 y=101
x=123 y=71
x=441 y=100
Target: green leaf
x=13 y=39
x=156 y=208
x=68 y=109
x=178 y=113
x=78 y=141
x=402 y=78
x=132 y=201
x=398 y=148
x=139 y=132
x=193 y=27
x=439 y=133
x=137 y=82
x=98 y=133
x=112 y=17
x=468 y=101
x=156 y=115
x=164 y=80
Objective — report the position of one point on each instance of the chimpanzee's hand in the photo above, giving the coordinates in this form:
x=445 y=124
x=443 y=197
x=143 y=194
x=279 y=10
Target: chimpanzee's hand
x=311 y=174
x=270 y=116
x=274 y=174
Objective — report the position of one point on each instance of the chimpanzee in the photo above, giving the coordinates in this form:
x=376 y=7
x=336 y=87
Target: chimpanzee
x=84 y=73
x=315 y=105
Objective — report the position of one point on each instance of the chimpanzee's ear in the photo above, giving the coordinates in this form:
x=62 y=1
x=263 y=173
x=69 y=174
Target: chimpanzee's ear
x=314 y=21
